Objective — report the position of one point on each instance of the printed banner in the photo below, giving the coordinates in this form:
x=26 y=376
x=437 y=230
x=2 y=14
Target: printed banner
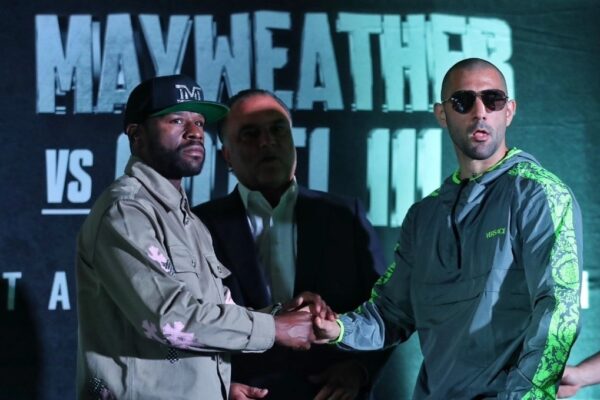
x=361 y=81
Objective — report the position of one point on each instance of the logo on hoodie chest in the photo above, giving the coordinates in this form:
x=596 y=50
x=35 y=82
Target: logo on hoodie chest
x=495 y=232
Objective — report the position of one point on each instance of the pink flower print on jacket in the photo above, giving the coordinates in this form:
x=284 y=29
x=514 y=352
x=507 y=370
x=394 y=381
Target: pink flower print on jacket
x=177 y=337
x=155 y=255
x=172 y=335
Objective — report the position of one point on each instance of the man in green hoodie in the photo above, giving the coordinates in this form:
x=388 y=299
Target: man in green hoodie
x=487 y=268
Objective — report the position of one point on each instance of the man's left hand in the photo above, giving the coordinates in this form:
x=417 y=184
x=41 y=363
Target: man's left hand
x=569 y=384
x=342 y=381
x=239 y=391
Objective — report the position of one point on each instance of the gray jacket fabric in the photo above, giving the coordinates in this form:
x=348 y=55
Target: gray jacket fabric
x=155 y=321
x=487 y=271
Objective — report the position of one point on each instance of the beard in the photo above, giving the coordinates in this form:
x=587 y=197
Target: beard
x=172 y=163
x=481 y=151
x=478 y=150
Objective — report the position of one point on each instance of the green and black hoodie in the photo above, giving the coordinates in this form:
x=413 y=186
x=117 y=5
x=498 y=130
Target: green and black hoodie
x=487 y=271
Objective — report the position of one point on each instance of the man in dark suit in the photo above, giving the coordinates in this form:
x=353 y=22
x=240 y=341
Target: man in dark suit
x=279 y=239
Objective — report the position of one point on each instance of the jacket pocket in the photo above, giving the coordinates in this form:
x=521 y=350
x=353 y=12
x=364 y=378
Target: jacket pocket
x=183 y=261
x=438 y=303
x=457 y=316
x=185 y=268
x=217 y=269
x=217 y=273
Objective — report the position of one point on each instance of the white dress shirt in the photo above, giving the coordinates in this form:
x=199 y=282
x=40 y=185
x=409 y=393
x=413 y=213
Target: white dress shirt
x=274 y=233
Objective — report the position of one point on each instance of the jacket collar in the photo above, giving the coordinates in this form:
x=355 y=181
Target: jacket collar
x=159 y=186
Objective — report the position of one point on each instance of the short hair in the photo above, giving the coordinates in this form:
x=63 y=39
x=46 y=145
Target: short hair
x=244 y=94
x=468 y=63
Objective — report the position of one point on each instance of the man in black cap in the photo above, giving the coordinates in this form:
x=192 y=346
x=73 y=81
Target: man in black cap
x=155 y=321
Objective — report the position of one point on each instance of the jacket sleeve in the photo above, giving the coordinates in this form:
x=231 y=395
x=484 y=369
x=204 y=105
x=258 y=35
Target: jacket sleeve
x=141 y=276
x=387 y=317
x=551 y=239
x=371 y=265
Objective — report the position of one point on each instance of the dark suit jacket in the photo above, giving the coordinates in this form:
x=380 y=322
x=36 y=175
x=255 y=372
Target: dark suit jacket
x=338 y=256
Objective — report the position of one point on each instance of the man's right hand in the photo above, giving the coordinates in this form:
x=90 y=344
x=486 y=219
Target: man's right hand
x=312 y=303
x=239 y=391
x=326 y=330
x=295 y=330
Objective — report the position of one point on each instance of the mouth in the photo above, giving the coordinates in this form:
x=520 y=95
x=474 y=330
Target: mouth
x=480 y=135
x=269 y=159
x=194 y=151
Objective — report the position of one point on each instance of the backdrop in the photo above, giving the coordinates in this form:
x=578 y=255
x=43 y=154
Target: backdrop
x=361 y=80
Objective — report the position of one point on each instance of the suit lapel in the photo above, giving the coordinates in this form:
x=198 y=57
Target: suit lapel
x=237 y=241
x=310 y=241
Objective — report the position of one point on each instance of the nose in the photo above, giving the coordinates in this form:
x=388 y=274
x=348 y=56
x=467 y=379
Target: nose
x=193 y=131
x=266 y=137
x=479 y=110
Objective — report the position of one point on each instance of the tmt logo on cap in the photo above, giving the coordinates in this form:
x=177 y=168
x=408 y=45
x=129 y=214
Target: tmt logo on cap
x=185 y=94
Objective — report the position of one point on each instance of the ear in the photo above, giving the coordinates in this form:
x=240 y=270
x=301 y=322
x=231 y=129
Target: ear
x=440 y=114
x=134 y=134
x=510 y=110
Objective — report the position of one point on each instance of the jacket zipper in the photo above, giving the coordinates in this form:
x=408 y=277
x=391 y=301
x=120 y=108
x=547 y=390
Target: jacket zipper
x=463 y=184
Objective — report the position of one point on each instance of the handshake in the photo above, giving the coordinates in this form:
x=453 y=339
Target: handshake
x=305 y=320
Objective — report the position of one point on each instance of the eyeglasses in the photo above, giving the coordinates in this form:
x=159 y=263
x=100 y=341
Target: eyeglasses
x=463 y=100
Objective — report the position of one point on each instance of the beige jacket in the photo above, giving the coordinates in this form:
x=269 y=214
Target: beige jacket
x=155 y=321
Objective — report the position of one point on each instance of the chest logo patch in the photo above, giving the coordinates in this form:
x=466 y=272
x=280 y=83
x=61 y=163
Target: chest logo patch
x=495 y=232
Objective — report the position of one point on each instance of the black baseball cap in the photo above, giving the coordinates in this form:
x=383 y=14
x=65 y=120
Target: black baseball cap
x=166 y=94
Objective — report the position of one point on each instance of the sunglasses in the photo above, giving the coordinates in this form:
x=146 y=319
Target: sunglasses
x=463 y=100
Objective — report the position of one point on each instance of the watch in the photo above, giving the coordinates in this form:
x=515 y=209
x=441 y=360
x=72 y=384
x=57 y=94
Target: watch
x=276 y=309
